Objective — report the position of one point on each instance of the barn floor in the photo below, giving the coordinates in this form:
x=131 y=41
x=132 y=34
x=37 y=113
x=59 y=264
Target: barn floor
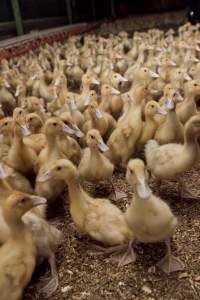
x=82 y=276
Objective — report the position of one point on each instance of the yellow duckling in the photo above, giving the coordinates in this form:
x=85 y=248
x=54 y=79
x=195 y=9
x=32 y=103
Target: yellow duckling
x=148 y=216
x=36 y=140
x=53 y=128
x=188 y=108
x=93 y=157
x=21 y=157
x=99 y=218
x=109 y=103
x=77 y=116
x=152 y=108
x=87 y=80
x=171 y=130
x=172 y=160
x=18 y=254
x=100 y=120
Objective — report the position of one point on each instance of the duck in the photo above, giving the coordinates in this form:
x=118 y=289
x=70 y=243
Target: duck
x=111 y=101
x=150 y=218
x=46 y=236
x=36 y=140
x=87 y=80
x=150 y=125
x=99 y=120
x=18 y=253
x=8 y=101
x=171 y=130
x=170 y=161
x=188 y=108
x=53 y=127
x=77 y=116
x=92 y=216
x=20 y=157
x=93 y=157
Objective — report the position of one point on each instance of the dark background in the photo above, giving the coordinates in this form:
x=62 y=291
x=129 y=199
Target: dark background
x=36 y=9
x=42 y=14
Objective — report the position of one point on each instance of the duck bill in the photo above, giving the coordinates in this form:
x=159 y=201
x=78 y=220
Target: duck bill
x=66 y=129
x=142 y=188
x=172 y=63
x=87 y=101
x=3 y=173
x=162 y=111
x=78 y=132
x=170 y=104
x=36 y=200
x=187 y=77
x=102 y=146
x=115 y=91
x=99 y=114
x=94 y=81
x=154 y=75
x=72 y=104
x=45 y=177
x=25 y=130
x=179 y=97
x=57 y=82
x=121 y=78
x=17 y=93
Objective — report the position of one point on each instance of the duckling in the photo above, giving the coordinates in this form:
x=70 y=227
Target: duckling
x=170 y=161
x=47 y=237
x=187 y=108
x=171 y=130
x=99 y=218
x=21 y=157
x=150 y=218
x=53 y=127
x=86 y=82
x=8 y=102
x=150 y=125
x=18 y=254
x=91 y=97
x=109 y=103
x=75 y=113
x=36 y=140
x=100 y=120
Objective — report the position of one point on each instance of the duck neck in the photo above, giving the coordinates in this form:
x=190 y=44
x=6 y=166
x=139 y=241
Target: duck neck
x=16 y=225
x=74 y=189
x=85 y=87
x=52 y=145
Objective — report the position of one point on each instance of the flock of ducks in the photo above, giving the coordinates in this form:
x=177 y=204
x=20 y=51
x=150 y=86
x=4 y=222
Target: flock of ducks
x=76 y=111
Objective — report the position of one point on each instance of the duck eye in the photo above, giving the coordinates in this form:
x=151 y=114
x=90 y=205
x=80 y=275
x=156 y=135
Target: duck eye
x=23 y=200
x=92 y=137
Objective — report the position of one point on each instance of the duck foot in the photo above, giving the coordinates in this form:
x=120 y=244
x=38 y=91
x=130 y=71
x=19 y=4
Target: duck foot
x=116 y=195
x=169 y=263
x=52 y=283
x=50 y=287
x=126 y=256
x=121 y=254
